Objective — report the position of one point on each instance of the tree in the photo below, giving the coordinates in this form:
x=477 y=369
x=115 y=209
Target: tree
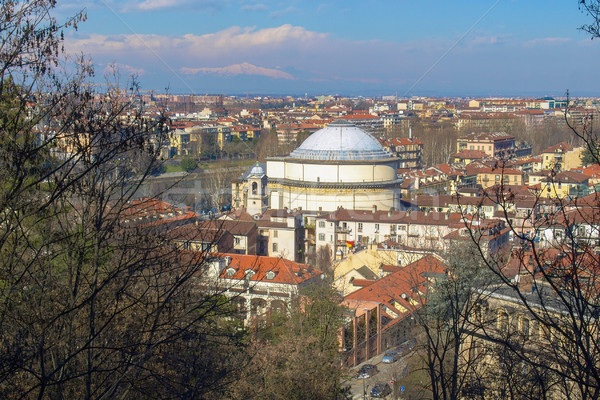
x=188 y=164
x=590 y=154
x=92 y=304
x=296 y=356
x=592 y=9
x=445 y=324
x=544 y=325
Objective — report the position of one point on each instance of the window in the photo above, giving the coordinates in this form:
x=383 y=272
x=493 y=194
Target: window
x=321 y=224
x=478 y=313
x=254 y=187
x=230 y=271
x=474 y=350
x=270 y=275
x=360 y=226
x=275 y=233
x=206 y=247
x=376 y=227
x=321 y=236
x=497 y=177
x=237 y=241
x=525 y=326
x=249 y=274
x=502 y=320
x=275 y=247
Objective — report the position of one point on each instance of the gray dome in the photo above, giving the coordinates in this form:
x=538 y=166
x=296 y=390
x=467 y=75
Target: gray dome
x=257 y=170
x=340 y=140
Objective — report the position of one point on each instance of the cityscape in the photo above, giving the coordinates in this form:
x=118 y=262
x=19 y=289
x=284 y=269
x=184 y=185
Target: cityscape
x=268 y=228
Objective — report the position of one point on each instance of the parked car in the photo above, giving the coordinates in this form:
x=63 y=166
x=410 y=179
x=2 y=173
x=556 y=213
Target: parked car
x=406 y=347
x=391 y=356
x=367 y=371
x=380 y=390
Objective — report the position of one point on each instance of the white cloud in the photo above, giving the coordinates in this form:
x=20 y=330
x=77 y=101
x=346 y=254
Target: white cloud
x=240 y=69
x=281 y=13
x=547 y=40
x=120 y=69
x=255 y=7
x=488 y=40
x=157 y=5
x=223 y=47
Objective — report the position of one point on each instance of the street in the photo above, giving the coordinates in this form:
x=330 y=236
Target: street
x=361 y=388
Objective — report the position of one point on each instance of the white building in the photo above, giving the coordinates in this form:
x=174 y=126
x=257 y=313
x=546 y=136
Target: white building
x=340 y=165
x=260 y=285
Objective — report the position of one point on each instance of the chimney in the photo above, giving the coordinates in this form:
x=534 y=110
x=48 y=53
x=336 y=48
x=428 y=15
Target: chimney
x=525 y=282
x=374 y=208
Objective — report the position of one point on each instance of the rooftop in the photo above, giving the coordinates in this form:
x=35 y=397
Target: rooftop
x=341 y=140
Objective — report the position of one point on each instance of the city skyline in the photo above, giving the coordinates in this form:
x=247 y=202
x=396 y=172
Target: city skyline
x=491 y=48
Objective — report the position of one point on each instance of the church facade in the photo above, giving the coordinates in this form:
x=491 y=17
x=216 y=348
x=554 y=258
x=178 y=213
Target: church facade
x=339 y=165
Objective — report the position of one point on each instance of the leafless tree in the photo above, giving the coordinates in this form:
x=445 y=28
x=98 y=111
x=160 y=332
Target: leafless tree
x=92 y=305
x=445 y=322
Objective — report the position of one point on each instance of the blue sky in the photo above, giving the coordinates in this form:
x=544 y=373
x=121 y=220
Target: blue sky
x=368 y=47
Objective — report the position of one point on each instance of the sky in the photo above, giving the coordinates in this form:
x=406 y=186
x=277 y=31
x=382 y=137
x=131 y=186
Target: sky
x=523 y=48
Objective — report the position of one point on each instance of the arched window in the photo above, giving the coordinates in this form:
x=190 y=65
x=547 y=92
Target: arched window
x=254 y=188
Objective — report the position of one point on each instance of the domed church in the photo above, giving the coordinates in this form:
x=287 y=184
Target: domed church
x=339 y=165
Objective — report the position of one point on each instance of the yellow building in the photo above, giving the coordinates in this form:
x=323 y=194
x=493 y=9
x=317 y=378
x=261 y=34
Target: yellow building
x=561 y=157
x=561 y=185
x=494 y=144
x=488 y=177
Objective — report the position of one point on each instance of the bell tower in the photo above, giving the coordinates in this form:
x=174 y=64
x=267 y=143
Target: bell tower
x=257 y=200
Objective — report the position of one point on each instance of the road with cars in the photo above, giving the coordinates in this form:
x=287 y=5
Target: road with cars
x=361 y=388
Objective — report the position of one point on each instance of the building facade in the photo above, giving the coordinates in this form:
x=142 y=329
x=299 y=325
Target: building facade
x=340 y=165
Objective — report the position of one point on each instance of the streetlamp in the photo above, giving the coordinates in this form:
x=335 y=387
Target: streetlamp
x=364 y=389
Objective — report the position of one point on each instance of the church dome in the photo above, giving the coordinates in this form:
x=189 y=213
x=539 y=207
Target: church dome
x=257 y=170
x=340 y=140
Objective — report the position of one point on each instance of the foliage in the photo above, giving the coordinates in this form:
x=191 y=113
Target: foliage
x=188 y=164
x=590 y=154
x=297 y=354
x=92 y=304
x=444 y=323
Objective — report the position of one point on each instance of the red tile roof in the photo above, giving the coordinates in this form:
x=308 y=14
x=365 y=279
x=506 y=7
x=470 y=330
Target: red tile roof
x=559 y=147
x=286 y=271
x=406 y=284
